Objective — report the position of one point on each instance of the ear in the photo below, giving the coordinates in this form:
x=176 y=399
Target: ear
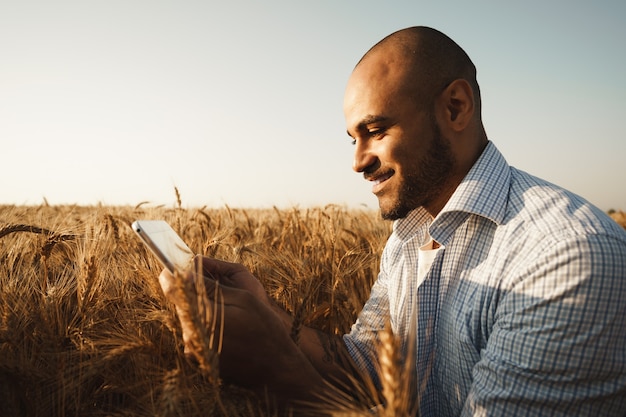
x=457 y=103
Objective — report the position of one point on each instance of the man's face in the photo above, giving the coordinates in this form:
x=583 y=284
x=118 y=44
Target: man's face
x=399 y=146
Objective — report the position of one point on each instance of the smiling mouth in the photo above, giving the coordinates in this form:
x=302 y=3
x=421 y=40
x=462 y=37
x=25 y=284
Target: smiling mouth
x=379 y=180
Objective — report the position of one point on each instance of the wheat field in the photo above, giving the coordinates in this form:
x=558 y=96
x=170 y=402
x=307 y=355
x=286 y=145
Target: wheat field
x=86 y=331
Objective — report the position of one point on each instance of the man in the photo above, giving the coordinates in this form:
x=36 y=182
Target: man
x=510 y=289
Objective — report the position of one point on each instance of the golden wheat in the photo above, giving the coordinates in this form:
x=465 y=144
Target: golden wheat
x=84 y=326
x=619 y=216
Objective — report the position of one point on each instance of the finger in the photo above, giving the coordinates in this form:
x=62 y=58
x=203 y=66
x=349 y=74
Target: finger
x=166 y=279
x=220 y=267
x=171 y=287
x=217 y=292
x=174 y=295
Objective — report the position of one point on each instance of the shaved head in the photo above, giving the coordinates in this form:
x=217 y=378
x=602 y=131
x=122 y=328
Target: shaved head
x=429 y=61
x=412 y=107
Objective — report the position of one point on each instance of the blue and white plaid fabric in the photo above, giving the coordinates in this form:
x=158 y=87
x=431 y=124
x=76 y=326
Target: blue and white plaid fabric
x=523 y=311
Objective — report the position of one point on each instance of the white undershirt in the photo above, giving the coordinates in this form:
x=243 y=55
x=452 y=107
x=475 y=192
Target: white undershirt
x=426 y=256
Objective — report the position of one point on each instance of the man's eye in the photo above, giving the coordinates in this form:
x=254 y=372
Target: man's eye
x=375 y=132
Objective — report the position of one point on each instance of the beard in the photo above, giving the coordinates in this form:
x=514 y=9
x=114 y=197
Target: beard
x=426 y=177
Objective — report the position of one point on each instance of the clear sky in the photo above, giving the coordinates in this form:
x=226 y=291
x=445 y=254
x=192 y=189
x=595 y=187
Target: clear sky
x=240 y=102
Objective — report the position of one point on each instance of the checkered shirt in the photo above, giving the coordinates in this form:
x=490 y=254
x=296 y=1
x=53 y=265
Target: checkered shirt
x=523 y=311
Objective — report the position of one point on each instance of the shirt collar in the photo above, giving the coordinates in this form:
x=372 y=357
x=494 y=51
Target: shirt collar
x=483 y=192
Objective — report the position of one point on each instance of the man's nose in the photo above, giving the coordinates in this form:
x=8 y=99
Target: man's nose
x=363 y=157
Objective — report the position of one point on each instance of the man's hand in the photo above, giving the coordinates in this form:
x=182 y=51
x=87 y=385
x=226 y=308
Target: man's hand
x=256 y=349
x=232 y=275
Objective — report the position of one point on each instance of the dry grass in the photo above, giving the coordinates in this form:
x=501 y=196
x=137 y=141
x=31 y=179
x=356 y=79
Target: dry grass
x=85 y=329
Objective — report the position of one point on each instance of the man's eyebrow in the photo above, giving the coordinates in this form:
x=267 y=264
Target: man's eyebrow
x=368 y=120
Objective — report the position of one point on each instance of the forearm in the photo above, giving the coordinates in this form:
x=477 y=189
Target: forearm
x=327 y=353
x=260 y=350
